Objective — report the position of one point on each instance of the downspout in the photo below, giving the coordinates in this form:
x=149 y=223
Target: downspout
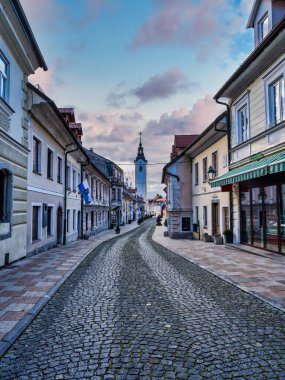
x=65 y=189
x=82 y=203
x=229 y=155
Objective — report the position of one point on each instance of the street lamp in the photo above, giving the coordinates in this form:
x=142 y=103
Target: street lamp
x=211 y=173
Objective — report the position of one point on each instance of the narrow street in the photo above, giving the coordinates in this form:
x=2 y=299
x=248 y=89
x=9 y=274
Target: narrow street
x=134 y=310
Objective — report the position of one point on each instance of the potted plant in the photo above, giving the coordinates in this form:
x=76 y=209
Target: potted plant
x=165 y=223
x=228 y=235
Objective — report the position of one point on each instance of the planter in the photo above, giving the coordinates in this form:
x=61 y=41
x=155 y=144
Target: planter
x=228 y=239
x=218 y=240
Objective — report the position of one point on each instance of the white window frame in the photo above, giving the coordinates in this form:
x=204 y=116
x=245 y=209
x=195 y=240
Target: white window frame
x=68 y=220
x=68 y=177
x=52 y=220
x=60 y=179
x=52 y=163
x=239 y=105
x=261 y=34
x=4 y=78
x=74 y=219
x=40 y=145
x=272 y=77
x=74 y=178
x=40 y=218
x=205 y=217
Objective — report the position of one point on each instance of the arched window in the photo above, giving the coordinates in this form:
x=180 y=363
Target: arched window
x=140 y=168
x=5 y=196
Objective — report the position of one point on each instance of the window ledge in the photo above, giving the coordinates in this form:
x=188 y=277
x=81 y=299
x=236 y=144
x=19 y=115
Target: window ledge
x=51 y=179
x=35 y=172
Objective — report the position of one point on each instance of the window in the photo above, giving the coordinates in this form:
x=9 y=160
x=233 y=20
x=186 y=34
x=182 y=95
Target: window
x=36 y=156
x=242 y=124
x=5 y=196
x=49 y=221
x=186 y=224
x=100 y=189
x=68 y=221
x=205 y=217
x=140 y=168
x=74 y=220
x=119 y=194
x=78 y=181
x=197 y=214
x=36 y=225
x=74 y=180
x=196 y=173
x=3 y=78
x=49 y=164
x=68 y=174
x=276 y=101
x=96 y=187
x=263 y=28
x=215 y=162
x=205 y=169
x=113 y=194
x=86 y=216
x=92 y=219
x=59 y=170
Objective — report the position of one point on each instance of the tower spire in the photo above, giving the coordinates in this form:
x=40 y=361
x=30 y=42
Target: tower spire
x=140 y=154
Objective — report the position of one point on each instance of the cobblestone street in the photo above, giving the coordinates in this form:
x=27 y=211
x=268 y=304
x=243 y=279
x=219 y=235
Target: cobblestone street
x=134 y=310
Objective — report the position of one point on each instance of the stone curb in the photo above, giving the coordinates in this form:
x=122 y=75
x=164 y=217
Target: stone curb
x=254 y=294
x=21 y=326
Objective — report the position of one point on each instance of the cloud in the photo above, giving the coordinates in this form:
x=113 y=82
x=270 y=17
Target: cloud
x=162 y=86
x=184 y=121
x=49 y=81
x=159 y=86
x=204 y=25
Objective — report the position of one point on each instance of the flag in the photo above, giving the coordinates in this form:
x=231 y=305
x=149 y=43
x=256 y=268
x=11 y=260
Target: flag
x=85 y=192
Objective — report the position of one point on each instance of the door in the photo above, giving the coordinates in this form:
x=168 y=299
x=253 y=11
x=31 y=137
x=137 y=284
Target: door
x=215 y=219
x=59 y=225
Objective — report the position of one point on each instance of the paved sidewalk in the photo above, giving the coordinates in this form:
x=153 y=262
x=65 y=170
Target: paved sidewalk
x=27 y=285
x=262 y=276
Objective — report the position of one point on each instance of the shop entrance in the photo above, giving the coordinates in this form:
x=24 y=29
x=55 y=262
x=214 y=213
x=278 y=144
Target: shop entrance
x=262 y=217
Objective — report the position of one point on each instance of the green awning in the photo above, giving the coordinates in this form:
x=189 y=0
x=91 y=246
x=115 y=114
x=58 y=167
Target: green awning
x=258 y=168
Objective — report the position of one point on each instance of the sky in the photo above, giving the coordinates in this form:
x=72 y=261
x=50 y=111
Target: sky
x=139 y=65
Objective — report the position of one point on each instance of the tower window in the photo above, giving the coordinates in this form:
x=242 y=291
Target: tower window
x=140 y=168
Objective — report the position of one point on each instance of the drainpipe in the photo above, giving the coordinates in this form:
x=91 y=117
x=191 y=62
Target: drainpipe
x=65 y=188
x=172 y=175
x=82 y=203
x=229 y=156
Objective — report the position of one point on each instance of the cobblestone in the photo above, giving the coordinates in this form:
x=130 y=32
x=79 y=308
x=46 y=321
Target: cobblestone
x=134 y=310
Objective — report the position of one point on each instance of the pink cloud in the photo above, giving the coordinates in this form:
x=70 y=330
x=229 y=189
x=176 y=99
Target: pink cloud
x=49 y=81
x=200 y=24
x=184 y=121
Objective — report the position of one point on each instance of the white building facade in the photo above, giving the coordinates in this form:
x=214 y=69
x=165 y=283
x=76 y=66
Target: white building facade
x=255 y=98
x=19 y=57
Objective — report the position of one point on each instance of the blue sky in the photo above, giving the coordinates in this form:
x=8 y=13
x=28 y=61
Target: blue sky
x=139 y=65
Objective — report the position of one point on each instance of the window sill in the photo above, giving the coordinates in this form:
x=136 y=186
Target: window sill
x=35 y=172
x=36 y=241
x=59 y=182
x=49 y=178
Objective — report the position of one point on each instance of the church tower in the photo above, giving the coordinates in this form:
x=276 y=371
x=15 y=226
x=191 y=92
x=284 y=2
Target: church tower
x=141 y=172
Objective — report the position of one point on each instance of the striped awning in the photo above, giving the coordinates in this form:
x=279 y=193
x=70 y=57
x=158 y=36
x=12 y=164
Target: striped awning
x=256 y=169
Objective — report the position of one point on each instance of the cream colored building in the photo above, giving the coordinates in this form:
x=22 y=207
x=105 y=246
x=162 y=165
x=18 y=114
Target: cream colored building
x=210 y=205
x=19 y=57
x=254 y=95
